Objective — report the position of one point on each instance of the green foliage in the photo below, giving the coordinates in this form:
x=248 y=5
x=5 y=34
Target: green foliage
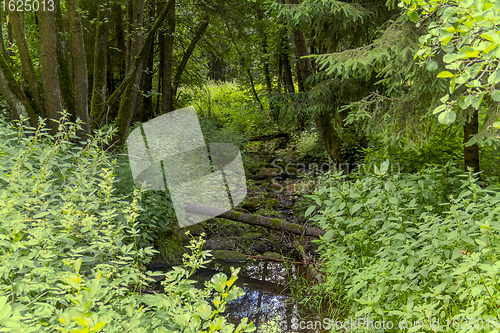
x=70 y=252
x=442 y=147
x=419 y=247
x=309 y=146
x=465 y=36
x=226 y=108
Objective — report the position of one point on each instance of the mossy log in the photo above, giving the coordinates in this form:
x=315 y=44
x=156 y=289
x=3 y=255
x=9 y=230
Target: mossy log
x=255 y=220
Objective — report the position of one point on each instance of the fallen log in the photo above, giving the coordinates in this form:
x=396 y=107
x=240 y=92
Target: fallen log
x=269 y=137
x=255 y=220
x=274 y=259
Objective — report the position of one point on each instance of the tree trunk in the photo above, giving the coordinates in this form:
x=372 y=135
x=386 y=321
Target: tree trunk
x=167 y=87
x=138 y=38
x=147 y=75
x=264 y=221
x=265 y=53
x=287 y=75
x=123 y=119
x=81 y=75
x=98 y=100
x=161 y=66
x=329 y=137
x=199 y=31
x=65 y=68
x=2 y=43
x=26 y=63
x=301 y=50
x=10 y=42
x=12 y=92
x=48 y=67
x=471 y=153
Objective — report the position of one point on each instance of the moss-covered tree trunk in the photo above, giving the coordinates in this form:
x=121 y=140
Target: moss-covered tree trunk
x=12 y=92
x=98 y=100
x=81 y=76
x=471 y=153
x=168 y=49
x=48 y=67
x=26 y=62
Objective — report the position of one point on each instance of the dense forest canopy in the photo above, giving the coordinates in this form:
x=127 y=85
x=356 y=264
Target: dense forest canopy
x=346 y=68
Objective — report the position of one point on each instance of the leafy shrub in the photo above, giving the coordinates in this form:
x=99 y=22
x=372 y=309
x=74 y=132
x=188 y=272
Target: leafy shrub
x=69 y=249
x=413 y=247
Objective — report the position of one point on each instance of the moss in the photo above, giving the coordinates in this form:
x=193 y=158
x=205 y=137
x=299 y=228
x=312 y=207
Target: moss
x=229 y=256
x=170 y=244
x=236 y=215
x=275 y=222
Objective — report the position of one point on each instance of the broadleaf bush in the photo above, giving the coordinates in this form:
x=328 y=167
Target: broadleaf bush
x=421 y=247
x=71 y=253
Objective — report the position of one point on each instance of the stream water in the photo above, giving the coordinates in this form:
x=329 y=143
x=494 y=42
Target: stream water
x=267 y=302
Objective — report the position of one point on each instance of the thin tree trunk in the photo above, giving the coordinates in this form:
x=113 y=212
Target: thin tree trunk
x=249 y=73
x=2 y=43
x=11 y=43
x=161 y=66
x=12 y=92
x=287 y=78
x=65 y=67
x=48 y=68
x=138 y=23
x=265 y=53
x=81 y=75
x=26 y=63
x=471 y=153
x=199 y=31
x=98 y=100
x=167 y=87
x=300 y=80
x=128 y=39
x=147 y=75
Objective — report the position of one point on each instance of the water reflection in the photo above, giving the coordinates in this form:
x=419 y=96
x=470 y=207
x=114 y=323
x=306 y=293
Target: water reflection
x=267 y=303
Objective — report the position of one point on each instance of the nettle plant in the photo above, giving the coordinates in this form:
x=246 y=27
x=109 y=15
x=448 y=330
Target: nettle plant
x=70 y=255
x=414 y=247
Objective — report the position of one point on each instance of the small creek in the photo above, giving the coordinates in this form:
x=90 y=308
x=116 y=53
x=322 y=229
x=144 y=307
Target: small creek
x=266 y=302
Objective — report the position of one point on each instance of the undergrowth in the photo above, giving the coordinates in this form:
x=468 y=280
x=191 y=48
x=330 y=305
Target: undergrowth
x=421 y=248
x=71 y=254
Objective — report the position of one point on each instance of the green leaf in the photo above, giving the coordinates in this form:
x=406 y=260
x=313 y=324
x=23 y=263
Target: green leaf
x=447 y=117
x=450 y=57
x=309 y=211
x=445 y=74
x=413 y=15
x=439 y=109
x=431 y=66
x=495 y=95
